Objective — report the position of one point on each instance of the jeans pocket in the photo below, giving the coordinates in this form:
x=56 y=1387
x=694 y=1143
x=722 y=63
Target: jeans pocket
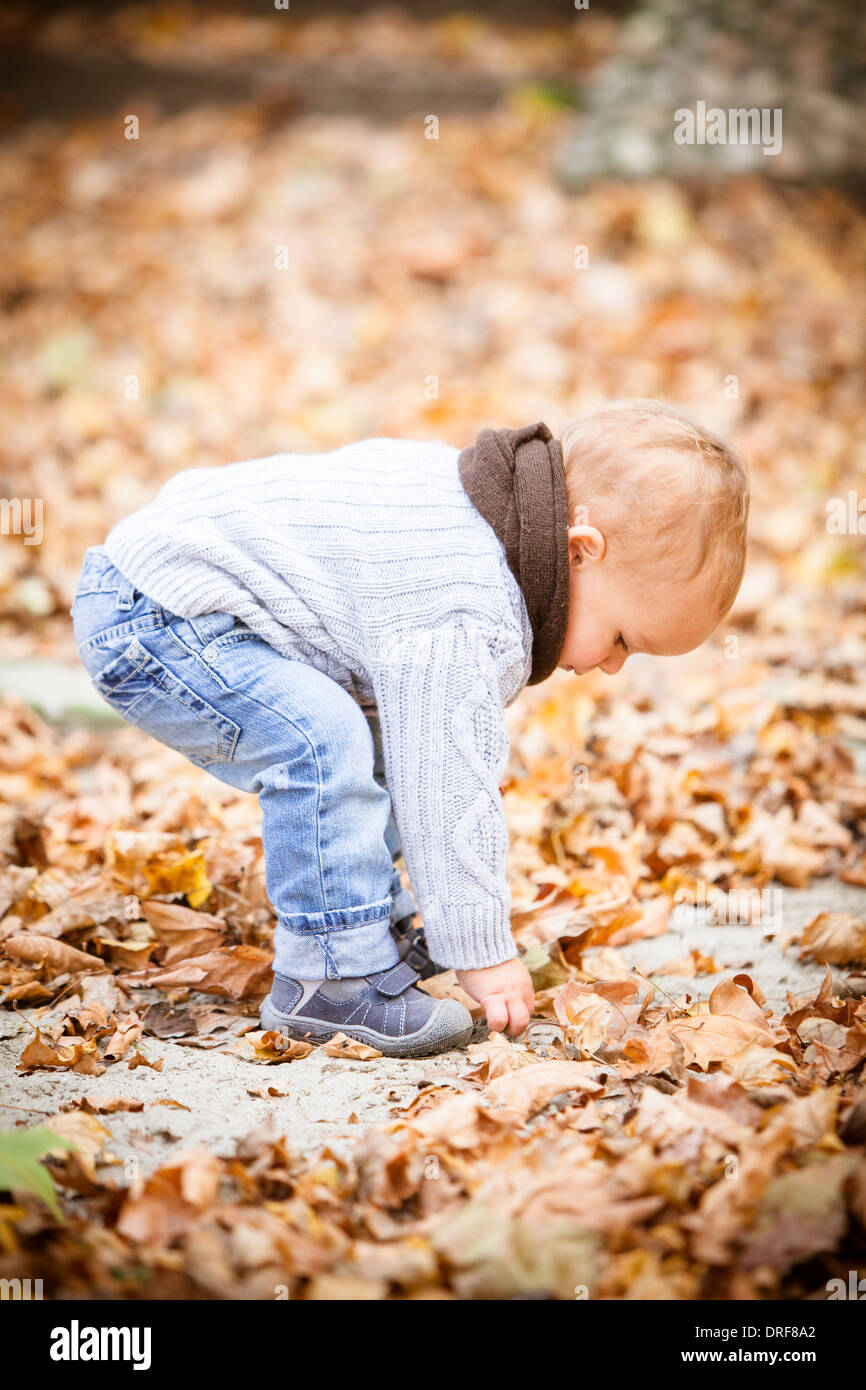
x=98 y=621
x=146 y=693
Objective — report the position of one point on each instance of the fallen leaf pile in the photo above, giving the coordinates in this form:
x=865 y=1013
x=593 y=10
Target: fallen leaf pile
x=635 y=1144
x=553 y=1176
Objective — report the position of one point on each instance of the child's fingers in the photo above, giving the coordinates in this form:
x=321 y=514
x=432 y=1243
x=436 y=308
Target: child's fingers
x=496 y=1010
x=518 y=1015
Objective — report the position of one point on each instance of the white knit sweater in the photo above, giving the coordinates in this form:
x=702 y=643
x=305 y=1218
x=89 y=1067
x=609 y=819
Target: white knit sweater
x=372 y=564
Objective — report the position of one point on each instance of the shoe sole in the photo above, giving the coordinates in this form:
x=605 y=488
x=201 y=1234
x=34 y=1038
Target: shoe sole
x=424 y=1044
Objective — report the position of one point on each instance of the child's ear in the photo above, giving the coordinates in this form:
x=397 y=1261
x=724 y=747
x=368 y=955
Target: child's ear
x=585 y=543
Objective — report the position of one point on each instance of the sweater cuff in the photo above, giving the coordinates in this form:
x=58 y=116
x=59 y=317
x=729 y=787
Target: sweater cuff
x=470 y=937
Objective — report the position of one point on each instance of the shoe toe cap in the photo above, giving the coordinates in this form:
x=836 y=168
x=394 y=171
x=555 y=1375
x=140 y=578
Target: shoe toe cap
x=451 y=1019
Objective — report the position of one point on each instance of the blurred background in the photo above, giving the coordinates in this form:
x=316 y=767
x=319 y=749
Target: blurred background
x=231 y=229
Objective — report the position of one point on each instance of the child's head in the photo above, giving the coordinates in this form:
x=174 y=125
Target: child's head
x=658 y=508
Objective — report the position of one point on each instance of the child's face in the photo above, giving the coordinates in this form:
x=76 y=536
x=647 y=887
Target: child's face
x=612 y=614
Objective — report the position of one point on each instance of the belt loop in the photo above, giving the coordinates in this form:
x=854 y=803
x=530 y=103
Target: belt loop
x=125 y=594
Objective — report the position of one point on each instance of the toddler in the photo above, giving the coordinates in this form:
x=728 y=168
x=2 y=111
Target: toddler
x=341 y=634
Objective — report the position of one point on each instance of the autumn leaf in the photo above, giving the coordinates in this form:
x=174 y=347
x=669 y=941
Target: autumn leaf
x=86 y=1137
x=181 y=932
x=507 y=1100
x=20 y=1169
x=138 y=1059
x=585 y=1018
x=647 y=1051
x=837 y=938
x=515 y=1095
x=497 y=1255
x=713 y=1038
x=692 y=964
x=594 y=1015
x=127 y=1031
x=800 y=1214
x=75 y=1054
x=30 y=946
x=496 y=1056
x=758 y=1065
x=152 y=862
x=341 y=1046
x=234 y=972
x=165 y=1205
x=273 y=1046
x=106 y=1105
x=729 y=997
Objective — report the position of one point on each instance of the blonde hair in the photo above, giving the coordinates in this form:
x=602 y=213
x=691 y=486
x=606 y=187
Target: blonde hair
x=652 y=478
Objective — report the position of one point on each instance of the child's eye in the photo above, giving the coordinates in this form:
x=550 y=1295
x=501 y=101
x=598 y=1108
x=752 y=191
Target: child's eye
x=621 y=640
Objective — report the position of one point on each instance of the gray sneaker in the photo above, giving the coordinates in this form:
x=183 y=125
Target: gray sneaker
x=384 y=1010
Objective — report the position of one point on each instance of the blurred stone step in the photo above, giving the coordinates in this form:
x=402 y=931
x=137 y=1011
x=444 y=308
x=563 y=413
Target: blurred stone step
x=37 y=84
x=59 y=690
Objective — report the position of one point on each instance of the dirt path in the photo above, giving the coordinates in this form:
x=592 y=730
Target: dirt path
x=326 y=1099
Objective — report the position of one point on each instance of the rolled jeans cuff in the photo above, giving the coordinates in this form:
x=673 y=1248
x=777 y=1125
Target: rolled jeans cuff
x=344 y=943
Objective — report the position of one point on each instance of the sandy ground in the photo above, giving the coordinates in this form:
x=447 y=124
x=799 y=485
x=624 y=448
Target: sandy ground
x=324 y=1094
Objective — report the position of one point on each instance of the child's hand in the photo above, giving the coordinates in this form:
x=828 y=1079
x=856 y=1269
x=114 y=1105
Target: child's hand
x=505 y=991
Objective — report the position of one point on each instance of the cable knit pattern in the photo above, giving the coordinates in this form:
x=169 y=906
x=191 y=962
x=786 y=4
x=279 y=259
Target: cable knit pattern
x=372 y=564
x=446 y=747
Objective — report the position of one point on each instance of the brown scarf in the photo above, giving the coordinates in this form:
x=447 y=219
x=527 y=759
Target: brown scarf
x=516 y=481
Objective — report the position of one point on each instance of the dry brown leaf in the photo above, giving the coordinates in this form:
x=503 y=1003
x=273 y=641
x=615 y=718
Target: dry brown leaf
x=237 y=972
x=496 y=1056
x=759 y=1065
x=342 y=1046
x=127 y=1031
x=129 y=955
x=647 y=1051
x=735 y=1000
x=653 y=919
x=105 y=1105
x=88 y=1136
x=585 y=1018
x=30 y=946
x=138 y=1059
x=514 y=1096
x=272 y=1046
x=164 y=1206
x=711 y=1038
x=836 y=938
x=73 y=1054
x=181 y=932
x=598 y=1014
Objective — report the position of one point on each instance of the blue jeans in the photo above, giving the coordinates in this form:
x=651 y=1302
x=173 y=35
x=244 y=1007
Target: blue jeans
x=216 y=692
